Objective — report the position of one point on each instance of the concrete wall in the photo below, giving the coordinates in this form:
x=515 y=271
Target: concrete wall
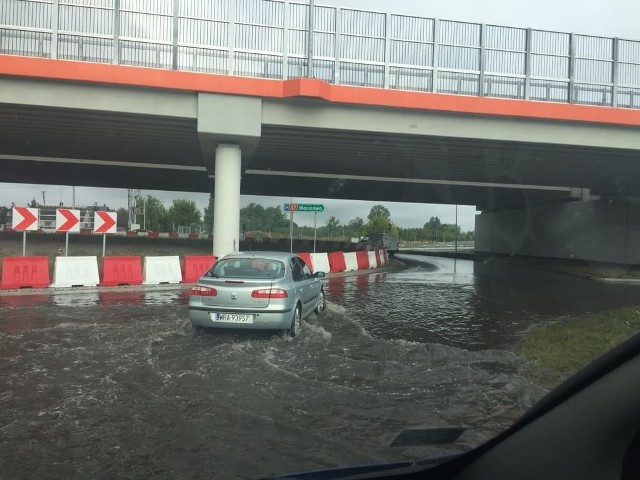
x=595 y=230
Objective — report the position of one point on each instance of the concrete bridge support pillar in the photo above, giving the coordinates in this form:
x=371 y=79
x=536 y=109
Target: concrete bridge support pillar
x=226 y=207
x=229 y=129
x=596 y=230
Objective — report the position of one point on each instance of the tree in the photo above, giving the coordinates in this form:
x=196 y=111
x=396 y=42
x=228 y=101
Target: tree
x=32 y=203
x=332 y=225
x=3 y=215
x=208 y=215
x=434 y=229
x=183 y=213
x=379 y=224
x=434 y=222
x=253 y=217
x=379 y=211
x=275 y=217
x=356 y=224
x=122 y=217
x=156 y=214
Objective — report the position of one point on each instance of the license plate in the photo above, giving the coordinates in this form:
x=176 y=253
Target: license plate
x=232 y=317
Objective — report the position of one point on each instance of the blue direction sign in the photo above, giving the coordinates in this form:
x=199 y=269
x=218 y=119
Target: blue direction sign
x=303 y=207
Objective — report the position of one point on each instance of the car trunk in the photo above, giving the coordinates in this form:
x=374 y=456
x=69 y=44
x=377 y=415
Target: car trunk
x=236 y=293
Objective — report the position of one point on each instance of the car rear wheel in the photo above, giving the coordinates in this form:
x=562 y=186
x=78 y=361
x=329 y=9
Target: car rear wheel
x=295 y=328
x=320 y=308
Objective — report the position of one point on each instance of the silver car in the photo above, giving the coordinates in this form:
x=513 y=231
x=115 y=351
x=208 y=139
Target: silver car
x=257 y=290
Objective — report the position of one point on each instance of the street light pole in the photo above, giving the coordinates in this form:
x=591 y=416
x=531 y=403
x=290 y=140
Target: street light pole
x=456 y=232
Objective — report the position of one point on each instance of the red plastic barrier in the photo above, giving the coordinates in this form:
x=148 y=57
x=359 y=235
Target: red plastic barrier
x=378 y=262
x=131 y=234
x=196 y=266
x=337 y=262
x=363 y=260
x=25 y=272
x=307 y=259
x=121 y=271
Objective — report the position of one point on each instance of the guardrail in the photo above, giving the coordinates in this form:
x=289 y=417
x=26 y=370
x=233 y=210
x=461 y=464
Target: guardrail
x=439 y=247
x=270 y=39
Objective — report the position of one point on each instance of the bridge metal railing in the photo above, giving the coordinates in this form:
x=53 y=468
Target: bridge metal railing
x=270 y=39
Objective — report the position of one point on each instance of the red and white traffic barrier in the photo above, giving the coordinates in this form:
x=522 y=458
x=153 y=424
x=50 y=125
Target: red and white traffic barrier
x=320 y=262
x=351 y=261
x=337 y=262
x=33 y=272
x=373 y=259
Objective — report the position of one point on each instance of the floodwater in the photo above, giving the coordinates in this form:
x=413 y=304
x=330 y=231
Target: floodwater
x=118 y=384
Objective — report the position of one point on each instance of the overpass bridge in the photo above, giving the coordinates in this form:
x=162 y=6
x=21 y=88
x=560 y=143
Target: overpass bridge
x=195 y=95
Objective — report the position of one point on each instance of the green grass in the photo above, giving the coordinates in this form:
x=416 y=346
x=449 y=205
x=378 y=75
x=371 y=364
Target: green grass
x=564 y=348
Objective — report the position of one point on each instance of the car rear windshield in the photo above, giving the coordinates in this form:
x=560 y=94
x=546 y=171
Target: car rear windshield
x=256 y=268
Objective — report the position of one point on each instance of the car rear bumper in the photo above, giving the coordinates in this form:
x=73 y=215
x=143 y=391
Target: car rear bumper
x=265 y=320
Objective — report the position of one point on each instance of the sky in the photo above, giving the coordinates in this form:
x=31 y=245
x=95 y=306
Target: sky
x=593 y=17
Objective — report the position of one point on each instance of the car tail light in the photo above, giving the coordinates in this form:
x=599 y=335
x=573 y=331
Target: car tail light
x=201 y=291
x=269 y=293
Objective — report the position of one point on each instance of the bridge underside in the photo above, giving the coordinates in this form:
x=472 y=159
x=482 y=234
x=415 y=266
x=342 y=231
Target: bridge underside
x=104 y=136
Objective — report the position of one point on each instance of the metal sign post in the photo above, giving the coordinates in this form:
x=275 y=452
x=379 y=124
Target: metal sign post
x=303 y=207
x=24 y=219
x=67 y=220
x=315 y=230
x=291 y=230
x=104 y=222
x=456 y=237
x=455 y=258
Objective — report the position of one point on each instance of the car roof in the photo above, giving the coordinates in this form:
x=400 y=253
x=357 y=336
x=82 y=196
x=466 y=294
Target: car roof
x=282 y=256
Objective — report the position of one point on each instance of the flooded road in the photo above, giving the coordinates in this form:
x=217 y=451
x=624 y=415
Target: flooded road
x=113 y=384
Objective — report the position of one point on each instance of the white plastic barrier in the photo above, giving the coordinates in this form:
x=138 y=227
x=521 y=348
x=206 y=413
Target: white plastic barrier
x=373 y=263
x=75 y=272
x=383 y=258
x=351 y=260
x=320 y=262
x=159 y=270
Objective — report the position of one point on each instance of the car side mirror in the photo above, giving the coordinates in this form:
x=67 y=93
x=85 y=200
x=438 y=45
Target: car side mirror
x=319 y=274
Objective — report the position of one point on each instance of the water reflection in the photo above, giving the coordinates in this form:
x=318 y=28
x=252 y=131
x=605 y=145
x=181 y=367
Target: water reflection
x=335 y=288
x=165 y=297
x=68 y=299
x=16 y=301
x=472 y=305
x=121 y=298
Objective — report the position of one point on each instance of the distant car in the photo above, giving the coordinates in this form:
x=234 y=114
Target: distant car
x=257 y=290
x=386 y=241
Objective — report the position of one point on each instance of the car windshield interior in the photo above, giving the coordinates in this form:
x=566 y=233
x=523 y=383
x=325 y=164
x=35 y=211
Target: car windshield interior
x=253 y=268
x=248 y=238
